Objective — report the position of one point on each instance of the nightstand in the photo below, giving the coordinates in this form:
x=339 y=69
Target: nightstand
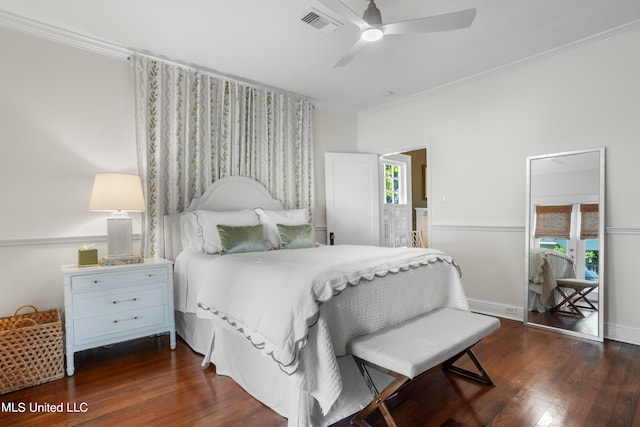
x=106 y=305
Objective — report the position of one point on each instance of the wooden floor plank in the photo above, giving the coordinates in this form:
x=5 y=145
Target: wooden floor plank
x=542 y=379
x=623 y=411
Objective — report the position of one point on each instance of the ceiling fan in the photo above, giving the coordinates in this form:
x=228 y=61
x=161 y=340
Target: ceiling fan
x=372 y=28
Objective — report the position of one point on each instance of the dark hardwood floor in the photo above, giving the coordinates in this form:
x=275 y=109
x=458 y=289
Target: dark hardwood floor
x=587 y=325
x=542 y=379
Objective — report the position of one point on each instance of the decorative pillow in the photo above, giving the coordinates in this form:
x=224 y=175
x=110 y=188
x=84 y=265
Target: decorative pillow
x=241 y=239
x=190 y=232
x=296 y=236
x=209 y=221
x=287 y=217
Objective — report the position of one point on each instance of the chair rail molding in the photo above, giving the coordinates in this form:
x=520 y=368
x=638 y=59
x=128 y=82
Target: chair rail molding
x=521 y=229
x=39 y=241
x=484 y=228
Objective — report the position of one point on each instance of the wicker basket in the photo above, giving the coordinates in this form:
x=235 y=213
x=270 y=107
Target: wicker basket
x=31 y=350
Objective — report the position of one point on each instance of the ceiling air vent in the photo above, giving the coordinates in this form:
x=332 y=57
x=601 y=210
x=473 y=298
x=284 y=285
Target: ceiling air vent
x=320 y=21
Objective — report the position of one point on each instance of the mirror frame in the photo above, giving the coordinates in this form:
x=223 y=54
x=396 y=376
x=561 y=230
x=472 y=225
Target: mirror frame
x=601 y=243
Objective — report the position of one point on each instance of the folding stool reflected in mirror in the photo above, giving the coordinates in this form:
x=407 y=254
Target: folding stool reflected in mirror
x=578 y=289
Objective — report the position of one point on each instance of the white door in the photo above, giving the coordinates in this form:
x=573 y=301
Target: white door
x=353 y=198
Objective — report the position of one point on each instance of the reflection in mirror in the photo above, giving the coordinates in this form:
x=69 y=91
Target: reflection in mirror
x=565 y=251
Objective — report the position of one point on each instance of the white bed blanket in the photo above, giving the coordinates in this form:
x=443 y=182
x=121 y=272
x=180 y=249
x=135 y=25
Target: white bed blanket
x=545 y=266
x=273 y=297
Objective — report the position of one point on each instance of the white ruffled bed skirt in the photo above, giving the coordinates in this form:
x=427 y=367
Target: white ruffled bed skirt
x=234 y=356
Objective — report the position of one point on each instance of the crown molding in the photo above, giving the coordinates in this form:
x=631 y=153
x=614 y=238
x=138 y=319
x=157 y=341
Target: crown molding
x=49 y=32
x=586 y=42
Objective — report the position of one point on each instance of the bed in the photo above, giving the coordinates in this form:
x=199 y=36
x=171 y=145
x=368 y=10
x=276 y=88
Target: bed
x=545 y=267
x=278 y=321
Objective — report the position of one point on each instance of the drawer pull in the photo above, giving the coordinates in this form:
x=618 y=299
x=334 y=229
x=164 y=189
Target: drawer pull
x=122 y=320
x=126 y=300
x=96 y=281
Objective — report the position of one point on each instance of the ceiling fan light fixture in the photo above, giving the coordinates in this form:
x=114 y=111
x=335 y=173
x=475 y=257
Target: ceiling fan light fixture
x=371 y=34
x=372 y=29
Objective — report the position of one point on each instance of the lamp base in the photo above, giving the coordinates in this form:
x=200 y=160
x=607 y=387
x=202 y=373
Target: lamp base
x=119 y=235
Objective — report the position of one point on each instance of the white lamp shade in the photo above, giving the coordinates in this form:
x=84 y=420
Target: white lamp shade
x=117 y=192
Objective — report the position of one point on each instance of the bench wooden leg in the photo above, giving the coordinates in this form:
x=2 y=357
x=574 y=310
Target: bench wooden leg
x=378 y=397
x=482 y=376
x=435 y=337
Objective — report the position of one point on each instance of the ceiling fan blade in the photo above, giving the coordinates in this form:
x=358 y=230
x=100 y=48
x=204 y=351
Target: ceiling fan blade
x=432 y=24
x=357 y=47
x=343 y=10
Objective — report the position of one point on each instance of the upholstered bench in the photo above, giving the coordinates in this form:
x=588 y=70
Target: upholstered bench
x=412 y=348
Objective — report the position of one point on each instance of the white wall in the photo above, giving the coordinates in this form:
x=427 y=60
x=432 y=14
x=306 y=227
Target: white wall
x=336 y=133
x=480 y=134
x=66 y=114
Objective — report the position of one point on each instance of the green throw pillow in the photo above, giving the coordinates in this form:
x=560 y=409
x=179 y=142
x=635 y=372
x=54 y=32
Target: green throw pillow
x=236 y=239
x=296 y=236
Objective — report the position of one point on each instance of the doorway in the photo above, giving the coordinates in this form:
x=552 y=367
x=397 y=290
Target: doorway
x=419 y=195
x=355 y=186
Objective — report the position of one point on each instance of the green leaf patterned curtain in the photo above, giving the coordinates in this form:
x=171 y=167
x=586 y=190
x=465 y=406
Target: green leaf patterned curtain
x=193 y=128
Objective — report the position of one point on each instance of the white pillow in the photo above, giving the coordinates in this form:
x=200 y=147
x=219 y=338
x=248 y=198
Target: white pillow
x=270 y=220
x=209 y=220
x=190 y=232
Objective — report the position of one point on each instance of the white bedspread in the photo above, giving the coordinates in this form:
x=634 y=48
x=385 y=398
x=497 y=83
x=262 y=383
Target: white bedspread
x=545 y=266
x=273 y=298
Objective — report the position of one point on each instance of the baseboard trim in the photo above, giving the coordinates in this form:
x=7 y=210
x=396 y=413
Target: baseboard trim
x=612 y=332
x=511 y=312
x=621 y=333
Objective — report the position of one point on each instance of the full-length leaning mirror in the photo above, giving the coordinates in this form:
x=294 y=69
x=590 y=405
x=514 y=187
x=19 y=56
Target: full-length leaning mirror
x=564 y=286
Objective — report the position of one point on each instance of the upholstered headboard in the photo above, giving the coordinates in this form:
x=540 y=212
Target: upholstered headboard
x=227 y=194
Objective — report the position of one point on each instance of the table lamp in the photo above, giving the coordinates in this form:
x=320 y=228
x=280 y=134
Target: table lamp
x=118 y=193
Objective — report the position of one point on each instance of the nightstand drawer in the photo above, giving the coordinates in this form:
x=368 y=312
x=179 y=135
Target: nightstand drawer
x=92 y=281
x=100 y=327
x=98 y=303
